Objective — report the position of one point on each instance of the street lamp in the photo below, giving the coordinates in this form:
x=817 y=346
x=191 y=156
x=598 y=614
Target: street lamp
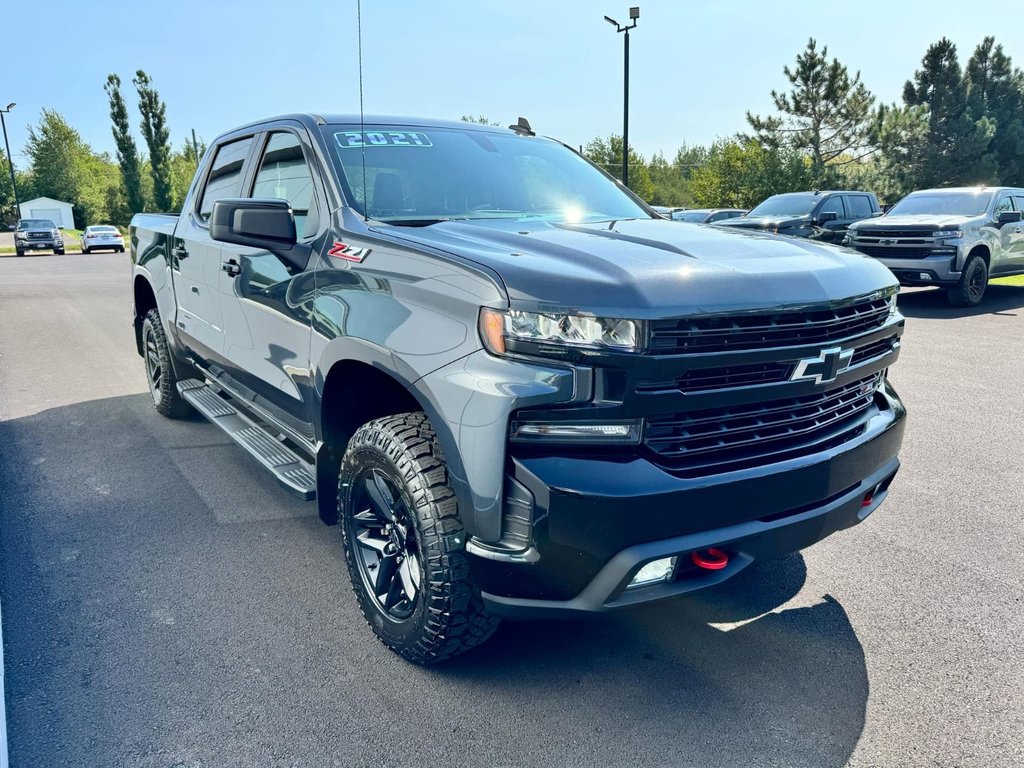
x=10 y=160
x=634 y=15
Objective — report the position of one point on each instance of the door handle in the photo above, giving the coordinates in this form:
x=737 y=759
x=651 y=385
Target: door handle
x=1017 y=230
x=179 y=252
x=232 y=268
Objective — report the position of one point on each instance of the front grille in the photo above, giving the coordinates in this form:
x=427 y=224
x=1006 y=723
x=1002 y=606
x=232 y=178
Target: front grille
x=905 y=252
x=780 y=329
x=871 y=351
x=925 y=234
x=759 y=432
x=38 y=235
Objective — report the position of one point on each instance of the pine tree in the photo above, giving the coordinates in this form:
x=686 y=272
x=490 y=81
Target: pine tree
x=127 y=152
x=996 y=90
x=827 y=113
x=956 y=149
x=157 y=135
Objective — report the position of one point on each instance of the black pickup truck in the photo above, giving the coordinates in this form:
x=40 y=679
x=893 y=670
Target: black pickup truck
x=520 y=391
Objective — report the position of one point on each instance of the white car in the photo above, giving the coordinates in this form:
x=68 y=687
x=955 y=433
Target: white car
x=102 y=237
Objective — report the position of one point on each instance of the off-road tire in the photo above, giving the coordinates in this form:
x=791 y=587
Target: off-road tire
x=155 y=351
x=973 y=282
x=59 y=251
x=448 y=617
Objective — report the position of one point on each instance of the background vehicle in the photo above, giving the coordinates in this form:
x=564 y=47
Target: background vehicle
x=816 y=215
x=955 y=238
x=706 y=215
x=506 y=385
x=99 y=237
x=37 y=235
x=665 y=211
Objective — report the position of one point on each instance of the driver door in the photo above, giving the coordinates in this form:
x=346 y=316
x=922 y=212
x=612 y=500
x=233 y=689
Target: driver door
x=266 y=303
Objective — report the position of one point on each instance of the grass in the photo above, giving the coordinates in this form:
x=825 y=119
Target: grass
x=1015 y=280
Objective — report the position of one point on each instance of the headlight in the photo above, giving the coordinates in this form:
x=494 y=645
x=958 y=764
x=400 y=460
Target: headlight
x=564 y=329
x=20 y=235
x=55 y=233
x=950 y=233
x=893 y=311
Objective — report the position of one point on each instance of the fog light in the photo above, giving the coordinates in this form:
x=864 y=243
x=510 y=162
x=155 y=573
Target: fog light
x=654 y=572
x=925 y=276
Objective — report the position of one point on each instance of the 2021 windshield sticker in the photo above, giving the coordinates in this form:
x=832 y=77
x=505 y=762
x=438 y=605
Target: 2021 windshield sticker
x=359 y=139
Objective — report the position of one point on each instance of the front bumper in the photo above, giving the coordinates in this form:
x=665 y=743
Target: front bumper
x=39 y=245
x=936 y=269
x=596 y=523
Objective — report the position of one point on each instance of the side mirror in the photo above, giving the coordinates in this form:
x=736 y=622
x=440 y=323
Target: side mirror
x=266 y=223
x=12 y=227
x=61 y=227
x=827 y=216
x=1008 y=217
x=876 y=214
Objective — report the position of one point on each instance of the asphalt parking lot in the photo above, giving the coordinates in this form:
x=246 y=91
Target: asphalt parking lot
x=165 y=604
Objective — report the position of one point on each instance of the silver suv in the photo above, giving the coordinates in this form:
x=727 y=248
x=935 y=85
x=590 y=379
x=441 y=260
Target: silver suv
x=954 y=238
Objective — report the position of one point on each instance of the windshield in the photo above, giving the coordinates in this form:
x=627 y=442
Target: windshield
x=786 y=205
x=697 y=216
x=425 y=175
x=942 y=203
x=36 y=224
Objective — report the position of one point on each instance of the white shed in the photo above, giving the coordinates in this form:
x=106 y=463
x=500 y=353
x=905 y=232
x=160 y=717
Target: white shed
x=48 y=208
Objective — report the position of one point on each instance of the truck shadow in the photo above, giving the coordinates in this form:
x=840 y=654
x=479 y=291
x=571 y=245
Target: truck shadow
x=720 y=678
x=930 y=303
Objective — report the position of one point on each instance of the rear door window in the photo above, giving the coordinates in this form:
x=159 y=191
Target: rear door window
x=225 y=177
x=859 y=206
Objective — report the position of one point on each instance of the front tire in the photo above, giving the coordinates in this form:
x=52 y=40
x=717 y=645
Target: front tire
x=20 y=251
x=58 y=251
x=403 y=542
x=973 y=282
x=163 y=384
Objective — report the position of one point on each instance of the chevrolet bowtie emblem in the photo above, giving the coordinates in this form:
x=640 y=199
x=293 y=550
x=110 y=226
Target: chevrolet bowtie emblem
x=825 y=367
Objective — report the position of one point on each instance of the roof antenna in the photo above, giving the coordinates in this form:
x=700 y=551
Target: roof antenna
x=362 y=124
x=522 y=127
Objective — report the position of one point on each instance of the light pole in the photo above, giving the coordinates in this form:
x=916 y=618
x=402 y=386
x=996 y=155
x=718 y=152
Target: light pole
x=10 y=160
x=634 y=15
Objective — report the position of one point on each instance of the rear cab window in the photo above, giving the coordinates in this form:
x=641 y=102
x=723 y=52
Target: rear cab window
x=859 y=206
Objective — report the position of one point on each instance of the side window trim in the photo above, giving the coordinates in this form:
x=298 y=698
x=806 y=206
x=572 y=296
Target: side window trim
x=211 y=155
x=255 y=161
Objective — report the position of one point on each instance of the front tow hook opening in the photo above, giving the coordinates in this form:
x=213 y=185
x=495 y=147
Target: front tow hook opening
x=710 y=559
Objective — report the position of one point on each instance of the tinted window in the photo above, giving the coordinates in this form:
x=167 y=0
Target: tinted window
x=418 y=176
x=225 y=179
x=697 y=216
x=792 y=204
x=859 y=206
x=1003 y=204
x=1019 y=202
x=834 y=205
x=284 y=174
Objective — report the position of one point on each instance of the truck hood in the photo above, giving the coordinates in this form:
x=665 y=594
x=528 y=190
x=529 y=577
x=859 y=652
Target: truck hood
x=766 y=222
x=939 y=221
x=647 y=268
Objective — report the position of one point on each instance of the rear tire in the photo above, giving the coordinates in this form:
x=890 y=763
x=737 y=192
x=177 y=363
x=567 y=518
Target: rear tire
x=973 y=282
x=85 y=251
x=163 y=384
x=404 y=542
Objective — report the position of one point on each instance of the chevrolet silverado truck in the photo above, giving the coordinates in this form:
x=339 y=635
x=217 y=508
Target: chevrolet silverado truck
x=38 y=235
x=954 y=238
x=518 y=390
x=818 y=215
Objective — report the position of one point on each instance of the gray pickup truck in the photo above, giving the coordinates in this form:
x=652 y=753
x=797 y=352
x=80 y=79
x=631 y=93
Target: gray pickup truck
x=954 y=238
x=517 y=389
x=38 y=235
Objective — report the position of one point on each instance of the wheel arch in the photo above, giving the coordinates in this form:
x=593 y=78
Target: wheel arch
x=982 y=250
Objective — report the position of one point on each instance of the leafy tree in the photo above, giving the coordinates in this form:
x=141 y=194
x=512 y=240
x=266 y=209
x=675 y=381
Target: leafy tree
x=127 y=152
x=8 y=214
x=669 y=183
x=157 y=135
x=480 y=120
x=956 y=150
x=607 y=153
x=740 y=173
x=827 y=113
x=183 y=169
x=996 y=90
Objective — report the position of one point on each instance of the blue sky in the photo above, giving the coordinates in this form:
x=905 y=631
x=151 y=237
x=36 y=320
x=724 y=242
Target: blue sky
x=696 y=67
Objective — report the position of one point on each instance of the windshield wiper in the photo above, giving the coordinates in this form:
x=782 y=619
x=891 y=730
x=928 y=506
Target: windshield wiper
x=418 y=222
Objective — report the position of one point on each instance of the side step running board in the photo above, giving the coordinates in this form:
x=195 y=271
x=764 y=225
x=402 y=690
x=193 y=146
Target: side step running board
x=295 y=473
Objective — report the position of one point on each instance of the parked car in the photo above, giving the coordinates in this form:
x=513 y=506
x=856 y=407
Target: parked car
x=821 y=215
x=954 y=238
x=100 y=237
x=706 y=215
x=517 y=390
x=38 y=235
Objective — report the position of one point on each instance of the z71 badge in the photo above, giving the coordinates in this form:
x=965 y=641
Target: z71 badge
x=358 y=139
x=348 y=252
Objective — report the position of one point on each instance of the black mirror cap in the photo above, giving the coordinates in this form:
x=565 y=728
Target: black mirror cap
x=260 y=223
x=827 y=216
x=1009 y=217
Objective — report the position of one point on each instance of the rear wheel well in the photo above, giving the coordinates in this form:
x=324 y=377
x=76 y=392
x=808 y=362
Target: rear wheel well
x=354 y=393
x=144 y=300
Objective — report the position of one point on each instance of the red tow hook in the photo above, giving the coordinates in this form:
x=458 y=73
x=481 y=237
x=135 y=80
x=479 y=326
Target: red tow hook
x=710 y=559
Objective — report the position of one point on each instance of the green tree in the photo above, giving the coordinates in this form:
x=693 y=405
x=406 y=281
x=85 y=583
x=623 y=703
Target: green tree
x=157 y=135
x=8 y=215
x=956 y=150
x=900 y=134
x=607 y=153
x=996 y=90
x=183 y=170
x=127 y=152
x=740 y=173
x=826 y=113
